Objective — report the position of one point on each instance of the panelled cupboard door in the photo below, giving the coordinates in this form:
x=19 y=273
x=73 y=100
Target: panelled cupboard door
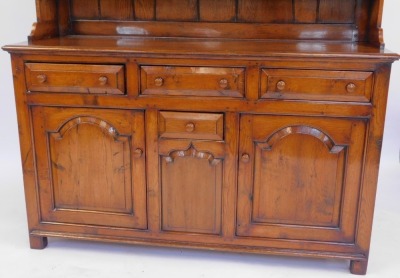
x=91 y=166
x=191 y=177
x=299 y=177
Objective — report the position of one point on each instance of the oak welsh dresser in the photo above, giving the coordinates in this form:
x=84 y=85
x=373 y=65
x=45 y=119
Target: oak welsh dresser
x=232 y=125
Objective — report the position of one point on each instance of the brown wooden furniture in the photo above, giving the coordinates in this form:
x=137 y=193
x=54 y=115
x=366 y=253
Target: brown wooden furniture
x=248 y=126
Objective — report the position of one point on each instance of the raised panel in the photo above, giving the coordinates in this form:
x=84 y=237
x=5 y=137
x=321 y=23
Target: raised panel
x=298 y=181
x=91 y=166
x=267 y=11
x=191 y=183
x=299 y=177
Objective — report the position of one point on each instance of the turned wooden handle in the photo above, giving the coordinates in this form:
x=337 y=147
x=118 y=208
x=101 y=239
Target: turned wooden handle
x=103 y=80
x=245 y=157
x=190 y=127
x=159 y=81
x=223 y=83
x=281 y=85
x=41 y=78
x=351 y=87
x=138 y=153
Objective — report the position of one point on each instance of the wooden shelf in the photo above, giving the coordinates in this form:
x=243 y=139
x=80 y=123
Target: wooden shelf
x=181 y=47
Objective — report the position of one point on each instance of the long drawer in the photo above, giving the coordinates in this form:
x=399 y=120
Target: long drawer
x=316 y=85
x=192 y=81
x=75 y=78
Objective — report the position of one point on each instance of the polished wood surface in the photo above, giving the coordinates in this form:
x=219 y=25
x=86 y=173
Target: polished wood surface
x=284 y=185
x=327 y=11
x=191 y=125
x=215 y=18
x=191 y=185
x=203 y=48
x=241 y=126
x=316 y=85
x=75 y=78
x=91 y=167
x=192 y=81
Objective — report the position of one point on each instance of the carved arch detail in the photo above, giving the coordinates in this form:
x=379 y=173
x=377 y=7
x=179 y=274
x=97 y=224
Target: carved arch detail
x=191 y=151
x=103 y=125
x=301 y=129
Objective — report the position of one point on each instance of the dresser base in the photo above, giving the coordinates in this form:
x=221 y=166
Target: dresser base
x=358 y=263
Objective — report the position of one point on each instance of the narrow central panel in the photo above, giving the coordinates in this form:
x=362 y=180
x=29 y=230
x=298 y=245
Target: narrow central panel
x=191 y=195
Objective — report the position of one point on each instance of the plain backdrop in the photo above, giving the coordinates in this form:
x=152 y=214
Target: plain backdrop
x=65 y=258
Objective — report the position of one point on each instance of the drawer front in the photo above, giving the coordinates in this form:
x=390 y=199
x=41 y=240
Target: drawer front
x=75 y=78
x=191 y=125
x=316 y=85
x=192 y=81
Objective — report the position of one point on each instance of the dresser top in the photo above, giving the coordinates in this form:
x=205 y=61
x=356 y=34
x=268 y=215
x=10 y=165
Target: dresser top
x=201 y=48
x=244 y=29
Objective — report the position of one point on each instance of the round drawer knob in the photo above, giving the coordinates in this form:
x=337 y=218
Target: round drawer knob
x=245 y=157
x=190 y=127
x=351 y=88
x=223 y=83
x=138 y=153
x=41 y=78
x=103 y=80
x=281 y=85
x=159 y=81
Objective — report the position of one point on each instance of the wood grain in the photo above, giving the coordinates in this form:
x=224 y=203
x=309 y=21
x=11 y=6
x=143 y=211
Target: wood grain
x=116 y=9
x=265 y=11
x=88 y=9
x=270 y=183
x=192 y=81
x=261 y=31
x=46 y=10
x=89 y=173
x=188 y=10
x=74 y=78
x=317 y=85
x=217 y=11
x=336 y=11
x=191 y=192
x=305 y=11
x=293 y=191
x=240 y=126
x=145 y=9
x=203 y=126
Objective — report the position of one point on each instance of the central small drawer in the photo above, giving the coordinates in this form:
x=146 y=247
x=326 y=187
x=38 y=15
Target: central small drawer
x=192 y=81
x=202 y=126
x=75 y=78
